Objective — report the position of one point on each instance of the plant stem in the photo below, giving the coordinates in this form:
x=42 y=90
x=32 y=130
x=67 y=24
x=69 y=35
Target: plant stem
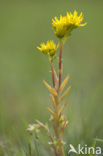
x=57 y=127
x=58 y=134
x=60 y=64
x=53 y=78
x=61 y=150
x=56 y=123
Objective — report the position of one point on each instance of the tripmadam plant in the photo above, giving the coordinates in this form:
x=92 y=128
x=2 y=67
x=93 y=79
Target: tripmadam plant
x=62 y=29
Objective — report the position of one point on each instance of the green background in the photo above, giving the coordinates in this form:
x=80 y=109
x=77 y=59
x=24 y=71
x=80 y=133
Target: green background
x=23 y=98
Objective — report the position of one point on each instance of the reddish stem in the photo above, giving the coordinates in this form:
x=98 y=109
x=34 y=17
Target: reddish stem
x=60 y=65
x=53 y=78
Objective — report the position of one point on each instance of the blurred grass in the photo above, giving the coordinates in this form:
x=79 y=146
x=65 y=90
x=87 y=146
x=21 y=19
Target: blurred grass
x=24 y=24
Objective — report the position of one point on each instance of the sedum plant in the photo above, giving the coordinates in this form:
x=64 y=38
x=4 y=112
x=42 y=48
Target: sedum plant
x=63 y=27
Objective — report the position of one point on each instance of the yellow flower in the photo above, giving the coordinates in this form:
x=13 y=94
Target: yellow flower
x=49 y=48
x=59 y=26
x=74 y=21
x=66 y=24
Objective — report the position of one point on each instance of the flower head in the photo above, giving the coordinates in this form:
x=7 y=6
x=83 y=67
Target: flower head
x=59 y=26
x=66 y=24
x=49 y=48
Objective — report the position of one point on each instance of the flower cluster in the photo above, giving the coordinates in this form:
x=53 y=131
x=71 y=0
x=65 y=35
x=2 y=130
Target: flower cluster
x=62 y=28
x=49 y=48
x=64 y=25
